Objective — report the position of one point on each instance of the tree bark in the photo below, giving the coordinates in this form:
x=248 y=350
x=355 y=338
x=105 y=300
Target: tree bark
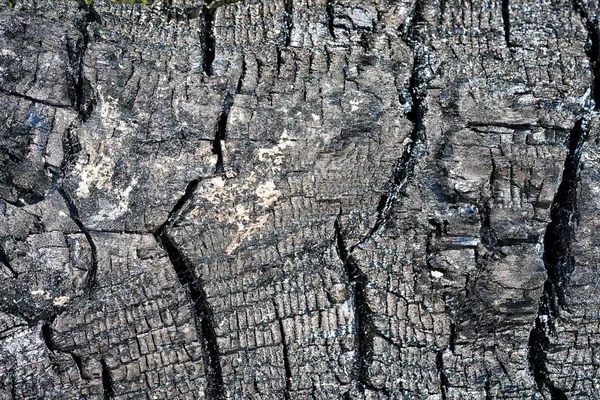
x=299 y=199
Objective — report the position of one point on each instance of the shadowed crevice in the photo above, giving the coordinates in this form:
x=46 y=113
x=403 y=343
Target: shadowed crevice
x=506 y=21
x=416 y=149
x=33 y=99
x=221 y=131
x=559 y=262
x=593 y=49
x=444 y=383
x=90 y=281
x=288 y=21
x=107 y=382
x=208 y=40
x=330 y=18
x=202 y=312
x=358 y=281
x=286 y=357
x=47 y=336
x=84 y=99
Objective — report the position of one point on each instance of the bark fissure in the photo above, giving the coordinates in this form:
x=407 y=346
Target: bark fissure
x=358 y=282
x=47 y=333
x=47 y=336
x=33 y=99
x=517 y=127
x=506 y=21
x=202 y=312
x=559 y=261
x=593 y=50
x=288 y=21
x=417 y=147
x=444 y=383
x=221 y=130
x=79 y=364
x=84 y=103
x=107 y=381
x=208 y=40
x=330 y=18
x=74 y=215
x=286 y=356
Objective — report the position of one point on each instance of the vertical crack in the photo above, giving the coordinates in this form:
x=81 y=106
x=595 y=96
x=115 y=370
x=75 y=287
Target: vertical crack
x=593 y=50
x=240 y=83
x=330 y=18
x=221 y=130
x=506 y=21
x=13 y=385
x=286 y=357
x=90 y=281
x=417 y=148
x=487 y=388
x=107 y=382
x=208 y=40
x=84 y=103
x=444 y=383
x=559 y=261
x=452 y=339
x=202 y=312
x=47 y=336
x=288 y=21
x=362 y=313
x=79 y=363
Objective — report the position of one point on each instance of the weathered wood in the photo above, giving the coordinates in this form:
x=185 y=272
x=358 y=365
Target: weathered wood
x=296 y=199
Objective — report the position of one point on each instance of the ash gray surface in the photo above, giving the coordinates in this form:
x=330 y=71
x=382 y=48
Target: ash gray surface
x=299 y=200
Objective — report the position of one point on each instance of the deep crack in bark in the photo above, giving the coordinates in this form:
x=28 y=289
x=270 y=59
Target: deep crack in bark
x=80 y=92
x=506 y=21
x=330 y=18
x=593 y=51
x=33 y=99
x=417 y=148
x=202 y=312
x=439 y=364
x=107 y=382
x=558 y=261
x=288 y=21
x=362 y=313
x=286 y=357
x=47 y=336
x=90 y=281
x=221 y=129
x=208 y=40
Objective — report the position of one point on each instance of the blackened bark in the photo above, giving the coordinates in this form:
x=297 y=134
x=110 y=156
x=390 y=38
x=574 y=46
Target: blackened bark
x=172 y=175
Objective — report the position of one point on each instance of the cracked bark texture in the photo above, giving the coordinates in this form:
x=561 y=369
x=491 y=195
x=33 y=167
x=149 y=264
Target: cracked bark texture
x=299 y=199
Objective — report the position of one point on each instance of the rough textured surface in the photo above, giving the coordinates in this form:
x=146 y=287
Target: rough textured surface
x=300 y=199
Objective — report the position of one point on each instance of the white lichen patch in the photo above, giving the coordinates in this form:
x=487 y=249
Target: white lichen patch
x=214 y=190
x=436 y=274
x=8 y=52
x=124 y=196
x=240 y=214
x=42 y=293
x=109 y=210
x=97 y=174
x=267 y=193
x=95 y=166
x=108 y=106
x=274 y=156
x=61 y=301
x=245 y=232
